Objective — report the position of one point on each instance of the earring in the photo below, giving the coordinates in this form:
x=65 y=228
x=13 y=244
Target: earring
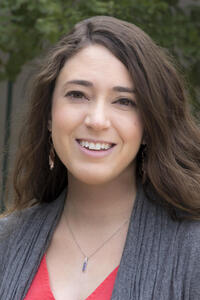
x=143 y=163
x=51 y=154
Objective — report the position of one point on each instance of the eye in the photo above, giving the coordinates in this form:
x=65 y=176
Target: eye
x=126 y=102
x=75 y=95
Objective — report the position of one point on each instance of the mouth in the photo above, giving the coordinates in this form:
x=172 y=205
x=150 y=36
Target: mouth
x=95 y=146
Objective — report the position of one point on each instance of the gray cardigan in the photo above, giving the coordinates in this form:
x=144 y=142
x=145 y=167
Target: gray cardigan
x=160 y=260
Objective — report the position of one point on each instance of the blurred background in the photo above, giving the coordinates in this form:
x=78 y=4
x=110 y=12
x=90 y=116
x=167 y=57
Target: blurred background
x=28 y=28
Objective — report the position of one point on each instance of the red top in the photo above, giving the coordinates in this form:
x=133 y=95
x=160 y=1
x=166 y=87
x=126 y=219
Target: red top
x=40 y=287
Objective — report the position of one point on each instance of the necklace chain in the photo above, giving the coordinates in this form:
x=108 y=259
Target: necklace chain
x=87 y=257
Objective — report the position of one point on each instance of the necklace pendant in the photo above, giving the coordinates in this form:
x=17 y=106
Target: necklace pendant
x=85 y=264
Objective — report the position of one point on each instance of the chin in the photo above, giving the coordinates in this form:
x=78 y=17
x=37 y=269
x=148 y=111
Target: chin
x=93 y=179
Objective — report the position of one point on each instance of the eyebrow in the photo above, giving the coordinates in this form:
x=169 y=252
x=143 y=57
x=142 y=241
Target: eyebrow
x=89 y=84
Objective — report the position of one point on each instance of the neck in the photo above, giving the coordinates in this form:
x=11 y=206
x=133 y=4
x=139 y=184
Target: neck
x=103 y=205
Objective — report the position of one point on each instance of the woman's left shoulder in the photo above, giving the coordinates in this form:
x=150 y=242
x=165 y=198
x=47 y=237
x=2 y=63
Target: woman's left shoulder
x=191 y=249
x=191 y=231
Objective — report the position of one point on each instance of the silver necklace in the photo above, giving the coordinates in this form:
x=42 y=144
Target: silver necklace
x=87 y=257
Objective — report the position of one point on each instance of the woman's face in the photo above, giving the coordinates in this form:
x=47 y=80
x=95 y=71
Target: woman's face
x=94 y=105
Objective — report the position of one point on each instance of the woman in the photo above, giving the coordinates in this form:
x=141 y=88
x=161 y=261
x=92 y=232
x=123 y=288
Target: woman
x=107 y=178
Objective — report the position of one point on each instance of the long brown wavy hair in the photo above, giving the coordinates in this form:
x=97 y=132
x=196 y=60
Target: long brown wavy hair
x=172 y=160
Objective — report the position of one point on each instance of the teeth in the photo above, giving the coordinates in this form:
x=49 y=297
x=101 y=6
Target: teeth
x=93 y=146
x=98 y=146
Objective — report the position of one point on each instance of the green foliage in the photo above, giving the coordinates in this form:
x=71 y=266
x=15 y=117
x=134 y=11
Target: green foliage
x=27 y=27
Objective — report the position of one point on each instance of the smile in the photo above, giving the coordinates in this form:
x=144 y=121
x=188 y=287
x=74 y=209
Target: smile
x=95 y=149
x=95 y=146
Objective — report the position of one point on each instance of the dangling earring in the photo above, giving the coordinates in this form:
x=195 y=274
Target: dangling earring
x=51 y=154
x=143 y=163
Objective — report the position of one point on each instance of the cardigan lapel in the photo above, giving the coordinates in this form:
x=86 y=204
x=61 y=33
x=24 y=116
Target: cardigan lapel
x=123 y=287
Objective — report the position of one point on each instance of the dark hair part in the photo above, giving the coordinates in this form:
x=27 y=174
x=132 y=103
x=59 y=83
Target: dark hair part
x=173 y=140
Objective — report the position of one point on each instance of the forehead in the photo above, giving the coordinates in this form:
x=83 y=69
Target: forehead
x=95 y=63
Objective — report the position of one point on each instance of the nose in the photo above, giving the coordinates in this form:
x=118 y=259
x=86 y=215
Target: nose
x=96 y=117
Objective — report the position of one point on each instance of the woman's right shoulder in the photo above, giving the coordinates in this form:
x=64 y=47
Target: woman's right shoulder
x=17 y=224
x=11 y=224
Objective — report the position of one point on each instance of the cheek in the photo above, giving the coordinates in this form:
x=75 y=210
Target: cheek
x=65 y=118
x=136 y=131
x=130 y=128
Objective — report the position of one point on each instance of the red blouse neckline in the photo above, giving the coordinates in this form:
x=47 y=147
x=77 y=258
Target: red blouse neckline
x=40 y=286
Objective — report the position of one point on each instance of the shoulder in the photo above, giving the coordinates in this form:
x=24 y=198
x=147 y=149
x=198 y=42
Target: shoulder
x=190 y=239
x=12 y=230
x=191 y=248
x=192 y=229
x=19 y=222
x=183 y=235
x=184 y=229
x=17 y=218
x=12 y=223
